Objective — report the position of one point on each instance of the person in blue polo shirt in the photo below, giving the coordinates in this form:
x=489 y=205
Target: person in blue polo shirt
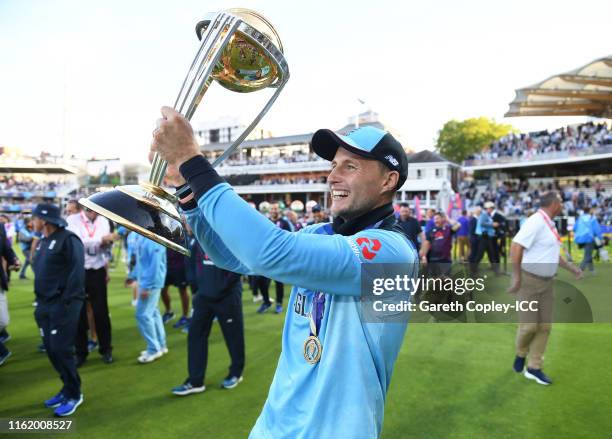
x=335 y=368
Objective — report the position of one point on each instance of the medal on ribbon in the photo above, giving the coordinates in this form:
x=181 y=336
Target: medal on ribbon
x=312 y=346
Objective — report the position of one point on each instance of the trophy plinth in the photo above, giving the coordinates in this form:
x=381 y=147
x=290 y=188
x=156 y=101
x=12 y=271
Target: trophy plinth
x=241 y=51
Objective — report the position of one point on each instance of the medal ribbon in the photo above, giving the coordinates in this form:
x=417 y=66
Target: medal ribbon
x=550 y=225
x=316 y=315
x=318 y=302
x=85 y=220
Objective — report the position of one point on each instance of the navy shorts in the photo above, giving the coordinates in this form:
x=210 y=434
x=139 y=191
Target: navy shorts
x=176 y=278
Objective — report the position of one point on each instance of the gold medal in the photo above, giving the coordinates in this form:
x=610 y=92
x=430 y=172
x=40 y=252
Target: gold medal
x=312 y=349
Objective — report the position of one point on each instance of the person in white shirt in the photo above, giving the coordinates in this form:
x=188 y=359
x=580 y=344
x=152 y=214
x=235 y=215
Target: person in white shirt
x=536 y=256
x=94 y=231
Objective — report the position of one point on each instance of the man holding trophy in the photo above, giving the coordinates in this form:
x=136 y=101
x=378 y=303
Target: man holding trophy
x=334 y=370
x=333 y=366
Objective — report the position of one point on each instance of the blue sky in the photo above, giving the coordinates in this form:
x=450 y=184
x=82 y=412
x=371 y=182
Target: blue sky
x=89 y=77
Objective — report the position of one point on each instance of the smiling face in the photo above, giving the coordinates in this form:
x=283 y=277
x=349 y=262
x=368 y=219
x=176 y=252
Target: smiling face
x=438 y=220
x=359 y=185
x=274 y=211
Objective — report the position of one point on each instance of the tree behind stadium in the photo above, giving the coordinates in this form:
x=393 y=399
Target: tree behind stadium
x=459 y=139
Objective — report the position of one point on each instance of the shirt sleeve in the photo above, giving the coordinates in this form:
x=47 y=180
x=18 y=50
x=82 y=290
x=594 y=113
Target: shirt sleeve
x=527 y=233
x=429 y=236
x=330 y=263
x=212 y=245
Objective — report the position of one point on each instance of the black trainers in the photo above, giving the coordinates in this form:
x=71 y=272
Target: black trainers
x=537 y=375
x=80 y=361
x=519 y=364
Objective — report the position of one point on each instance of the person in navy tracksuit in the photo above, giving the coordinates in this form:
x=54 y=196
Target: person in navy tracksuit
x=59 y=285
x=219 y=294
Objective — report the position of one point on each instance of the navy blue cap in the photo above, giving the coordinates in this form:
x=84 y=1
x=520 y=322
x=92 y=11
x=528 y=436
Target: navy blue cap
x=368 y=142
x=49 y=213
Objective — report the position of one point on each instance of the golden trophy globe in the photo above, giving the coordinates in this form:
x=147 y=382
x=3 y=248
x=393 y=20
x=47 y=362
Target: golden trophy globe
x=241 y=51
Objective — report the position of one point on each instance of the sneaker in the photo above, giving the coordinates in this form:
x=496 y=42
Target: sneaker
x=263 y=308
x=187 y=389
x=107 y=358
x=186 y=327
x=147 y=357
x=257 y=298
x=54 y=402
x=91 y=345
x=41 y=348
x=134 y=302
x=181 y=322
x=279 y=309
x=5 y=337
x=5 y=357
x=538 y=376
x=519 y=364
x=163 y=350
x=68 y=406
x=167 y=317
x=231 y=382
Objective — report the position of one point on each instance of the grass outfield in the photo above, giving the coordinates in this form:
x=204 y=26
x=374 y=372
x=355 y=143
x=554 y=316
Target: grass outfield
x=450 y=380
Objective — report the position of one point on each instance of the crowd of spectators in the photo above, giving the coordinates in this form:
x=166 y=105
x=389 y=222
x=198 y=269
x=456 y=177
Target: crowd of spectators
x=570 y=139
x=13 y=185
x=22 y=193
x=289 y=180
x=519 y=198
x=296 y=157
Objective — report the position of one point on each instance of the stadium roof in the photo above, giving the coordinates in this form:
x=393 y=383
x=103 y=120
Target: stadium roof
x=6 y=168
x=297 y=139
x=586 y=91
x=427 y=156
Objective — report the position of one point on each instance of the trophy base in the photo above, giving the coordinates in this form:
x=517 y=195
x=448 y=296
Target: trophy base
x=145 y=209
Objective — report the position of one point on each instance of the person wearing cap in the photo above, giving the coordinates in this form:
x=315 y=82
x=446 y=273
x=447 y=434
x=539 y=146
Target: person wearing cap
x=59 y=284
x=334 y=368
x=317 y=215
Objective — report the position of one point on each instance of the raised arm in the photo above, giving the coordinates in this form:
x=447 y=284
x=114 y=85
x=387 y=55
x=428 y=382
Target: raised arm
x=212 y=245
x=320 y=262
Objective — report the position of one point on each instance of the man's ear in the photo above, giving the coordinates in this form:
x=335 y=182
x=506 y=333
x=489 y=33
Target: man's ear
x=390 y=182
